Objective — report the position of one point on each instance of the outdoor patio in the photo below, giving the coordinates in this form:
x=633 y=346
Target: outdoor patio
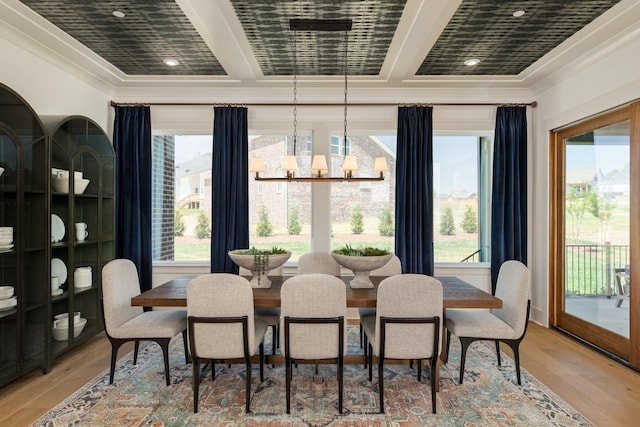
x=601 y=311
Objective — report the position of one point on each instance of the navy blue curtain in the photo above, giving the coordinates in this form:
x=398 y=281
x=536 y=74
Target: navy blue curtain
x=230 y=186
x=414 y=190
x=132 y=145
x=509 y=189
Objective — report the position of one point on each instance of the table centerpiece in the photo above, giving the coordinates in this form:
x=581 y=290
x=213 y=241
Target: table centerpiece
x=361 y=261
x=260 y=262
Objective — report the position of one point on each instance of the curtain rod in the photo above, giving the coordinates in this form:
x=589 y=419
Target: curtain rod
x=317 y=104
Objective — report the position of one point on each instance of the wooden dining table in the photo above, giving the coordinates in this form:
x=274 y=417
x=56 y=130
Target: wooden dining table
x=456 y=294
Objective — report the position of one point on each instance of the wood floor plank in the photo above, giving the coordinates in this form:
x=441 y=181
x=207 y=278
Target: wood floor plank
x=604 y=391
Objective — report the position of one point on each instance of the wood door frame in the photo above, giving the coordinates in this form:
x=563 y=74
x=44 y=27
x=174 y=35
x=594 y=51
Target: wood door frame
x=627 y=349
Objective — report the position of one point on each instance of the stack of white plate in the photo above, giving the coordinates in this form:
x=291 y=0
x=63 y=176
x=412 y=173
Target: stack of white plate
x=7 y=300
x=61 y=331
x=6 y=238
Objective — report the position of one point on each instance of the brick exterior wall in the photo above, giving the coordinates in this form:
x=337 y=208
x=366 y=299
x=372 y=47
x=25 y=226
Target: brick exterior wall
x=163 y=180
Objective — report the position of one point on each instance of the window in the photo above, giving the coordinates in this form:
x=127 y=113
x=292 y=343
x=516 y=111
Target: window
x=280 y=214
x=460 y=187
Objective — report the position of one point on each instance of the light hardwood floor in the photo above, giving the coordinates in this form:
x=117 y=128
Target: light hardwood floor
x=605 y=392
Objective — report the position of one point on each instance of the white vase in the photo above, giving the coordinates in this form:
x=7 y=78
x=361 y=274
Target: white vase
x=361 y=267
x=259 y=279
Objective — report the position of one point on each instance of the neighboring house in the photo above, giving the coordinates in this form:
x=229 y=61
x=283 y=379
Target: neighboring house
x=582 y=179
x=193 y=183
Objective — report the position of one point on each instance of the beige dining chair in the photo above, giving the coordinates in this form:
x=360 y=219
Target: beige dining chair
x=318 y=262
x=391 y=268
x=222 y=326
x=124 y=322
x=507 y=324
x=313 y=325
x=407 y=325
x=271 y=315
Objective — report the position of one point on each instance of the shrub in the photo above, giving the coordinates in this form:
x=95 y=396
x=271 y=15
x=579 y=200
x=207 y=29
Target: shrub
x=178 y=224
x=447 y=226
x=202 y=228
x=293 y=225
x=469 y=222
x=357 y=220
x=264 y=227
x=386 y=227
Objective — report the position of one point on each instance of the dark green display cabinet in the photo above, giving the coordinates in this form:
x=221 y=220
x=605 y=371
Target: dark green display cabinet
x=24 y=246
x=82 y=207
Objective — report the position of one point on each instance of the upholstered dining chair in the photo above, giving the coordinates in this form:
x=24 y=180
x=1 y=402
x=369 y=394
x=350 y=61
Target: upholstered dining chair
x=271 y=315
x=313 y=325
x=507 y=324
x=222 y=326
x=124 y=322
x=407 y=325
x=391 y=268
x=318 y=262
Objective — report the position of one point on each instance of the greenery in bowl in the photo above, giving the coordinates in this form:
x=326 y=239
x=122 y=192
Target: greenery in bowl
x=260 y=258
x=349 y=250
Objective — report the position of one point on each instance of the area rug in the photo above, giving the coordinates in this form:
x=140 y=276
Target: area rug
x=139 y=397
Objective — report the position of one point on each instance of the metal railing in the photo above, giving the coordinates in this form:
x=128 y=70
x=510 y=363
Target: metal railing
x=589 y=269
x=474 y=257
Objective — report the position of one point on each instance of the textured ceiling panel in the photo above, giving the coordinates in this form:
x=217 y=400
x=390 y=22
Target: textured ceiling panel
x=266 y=25
x=505 y=44
x=150 y=31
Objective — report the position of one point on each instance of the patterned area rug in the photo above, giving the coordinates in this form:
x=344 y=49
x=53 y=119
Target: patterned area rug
x=489 y=395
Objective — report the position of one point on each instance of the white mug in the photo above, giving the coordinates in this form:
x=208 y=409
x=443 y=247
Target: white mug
x=81 y=231
x=55 y=285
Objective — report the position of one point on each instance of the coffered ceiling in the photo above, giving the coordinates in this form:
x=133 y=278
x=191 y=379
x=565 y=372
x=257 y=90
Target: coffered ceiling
x=247 y=41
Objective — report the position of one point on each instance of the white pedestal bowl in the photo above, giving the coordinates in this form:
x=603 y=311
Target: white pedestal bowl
x=361 y=267
x=259 y=279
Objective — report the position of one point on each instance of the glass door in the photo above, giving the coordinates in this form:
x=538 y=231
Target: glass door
x=592 y=222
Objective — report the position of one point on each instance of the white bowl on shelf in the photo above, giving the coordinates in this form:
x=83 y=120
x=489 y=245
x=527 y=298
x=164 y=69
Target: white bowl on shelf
x=62 y=320
x=6 y=304
x=6 y=292
x=61 y=185
x=1 y=171
x=62 y=333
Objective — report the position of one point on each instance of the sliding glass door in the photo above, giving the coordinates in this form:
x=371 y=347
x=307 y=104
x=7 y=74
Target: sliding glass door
x=594 y=214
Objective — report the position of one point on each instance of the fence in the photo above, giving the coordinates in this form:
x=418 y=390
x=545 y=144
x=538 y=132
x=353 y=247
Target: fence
x=589 y=269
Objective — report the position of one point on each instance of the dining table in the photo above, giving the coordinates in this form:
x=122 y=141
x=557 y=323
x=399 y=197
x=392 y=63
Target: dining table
x=457 y=293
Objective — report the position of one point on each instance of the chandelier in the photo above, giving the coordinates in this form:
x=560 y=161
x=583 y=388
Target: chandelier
x=319 y=163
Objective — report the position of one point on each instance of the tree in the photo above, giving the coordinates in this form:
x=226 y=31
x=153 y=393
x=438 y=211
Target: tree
x=293 y=225
x=386 y=227
x=600 y=208
x=469 y=221
x=447 y=225
x=264 y=227
x=178 y=224
x=357 y=220
x=576 y=206
x=202 y=228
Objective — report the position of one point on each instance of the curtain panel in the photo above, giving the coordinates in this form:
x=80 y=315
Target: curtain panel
x=132 y=145
x=230 y=187
x=414 y=190
x=509 y=189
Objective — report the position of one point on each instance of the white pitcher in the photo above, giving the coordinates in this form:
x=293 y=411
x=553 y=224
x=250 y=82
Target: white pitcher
x=82 y=277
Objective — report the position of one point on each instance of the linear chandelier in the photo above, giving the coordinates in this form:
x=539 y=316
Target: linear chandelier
x=319 y=163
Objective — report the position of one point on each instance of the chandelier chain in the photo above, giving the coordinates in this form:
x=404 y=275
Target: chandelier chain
x=295 y=92
x=346 y=69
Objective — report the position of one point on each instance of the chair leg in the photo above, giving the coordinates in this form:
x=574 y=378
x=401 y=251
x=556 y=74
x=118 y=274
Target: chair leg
x=464 y=344
x=381 y=383
x=261 y=362
x=288 y=384
x=361 y=337
x=433 y=365
x=164 y=344
x=115 y=346
x=248 y=387
x=135 y=351
x=213 y=371
x=419 y=362
x=186 y=350
x=195 y=369
x=446 y=349
x=369 y=361
x=498 y=352
x=340 y=382
x=515 y=345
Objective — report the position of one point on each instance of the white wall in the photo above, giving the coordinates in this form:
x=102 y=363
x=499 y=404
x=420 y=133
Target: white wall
x=51 y=92
x=608 y=81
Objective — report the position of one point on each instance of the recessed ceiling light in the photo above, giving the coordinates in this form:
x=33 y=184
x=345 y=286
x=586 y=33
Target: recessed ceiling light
x=118 y=14
x=171 y=62
x=471 y=62
x=518 y=13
